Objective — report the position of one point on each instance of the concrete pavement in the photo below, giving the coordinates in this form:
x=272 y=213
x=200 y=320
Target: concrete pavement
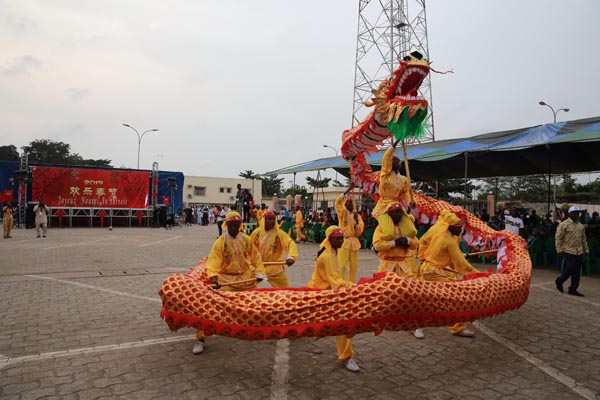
x=80 y=320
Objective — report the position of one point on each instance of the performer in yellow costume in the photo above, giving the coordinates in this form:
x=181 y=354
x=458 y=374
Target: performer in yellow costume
x=393 y=188
x=352 y=224
x=442 y=258
x=233 y=265
x=399 y=255
x=272 y=242
x=7 y=219
x=299 y=225
x=327 y=276
x=260 y=213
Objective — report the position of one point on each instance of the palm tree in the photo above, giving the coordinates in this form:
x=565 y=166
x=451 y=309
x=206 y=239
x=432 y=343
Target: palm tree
x=249 y=174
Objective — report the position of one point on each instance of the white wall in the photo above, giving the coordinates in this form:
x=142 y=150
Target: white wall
x=212 y=189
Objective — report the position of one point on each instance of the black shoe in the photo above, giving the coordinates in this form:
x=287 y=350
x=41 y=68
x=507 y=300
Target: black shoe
x=559 y=286
x=575 y=293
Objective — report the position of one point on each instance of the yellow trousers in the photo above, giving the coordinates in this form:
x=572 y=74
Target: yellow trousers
x=387 y=226
x=458 y=327
x=346 y=257
x=406 y=268
x=8 y=223
x=299 y=234
x=344 y=347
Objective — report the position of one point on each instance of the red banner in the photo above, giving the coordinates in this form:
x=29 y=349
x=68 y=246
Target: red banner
x=90 y=188
x=7 y=196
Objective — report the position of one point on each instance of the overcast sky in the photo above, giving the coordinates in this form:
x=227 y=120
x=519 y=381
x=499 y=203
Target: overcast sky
x=260 y=85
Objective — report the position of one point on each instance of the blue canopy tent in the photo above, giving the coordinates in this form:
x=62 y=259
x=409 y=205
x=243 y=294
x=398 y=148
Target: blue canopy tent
x=562 y=147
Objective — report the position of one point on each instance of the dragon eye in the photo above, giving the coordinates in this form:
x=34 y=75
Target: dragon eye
x=407 y=58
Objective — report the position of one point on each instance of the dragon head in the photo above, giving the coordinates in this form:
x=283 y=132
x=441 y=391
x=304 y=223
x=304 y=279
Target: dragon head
x=398 y=111
x=400 y=92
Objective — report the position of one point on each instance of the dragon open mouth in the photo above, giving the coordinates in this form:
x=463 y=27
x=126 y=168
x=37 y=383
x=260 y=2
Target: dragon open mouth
x=410 y=81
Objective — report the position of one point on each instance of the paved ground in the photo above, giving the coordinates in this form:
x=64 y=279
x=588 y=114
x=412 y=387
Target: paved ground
x=80 y=320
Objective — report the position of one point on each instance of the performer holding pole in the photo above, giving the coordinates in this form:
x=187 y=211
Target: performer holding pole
x=327 y=276
x=352 y=224
x=272 y=242
x=234 y=264
x=399 y=255
x=393 y=188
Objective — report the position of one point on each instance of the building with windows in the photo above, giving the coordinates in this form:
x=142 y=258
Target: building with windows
x=208 y=190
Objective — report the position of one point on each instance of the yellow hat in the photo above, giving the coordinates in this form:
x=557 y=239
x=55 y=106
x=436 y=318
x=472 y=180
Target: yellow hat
x=452 y=219
x=331 y=230
x=233 y=216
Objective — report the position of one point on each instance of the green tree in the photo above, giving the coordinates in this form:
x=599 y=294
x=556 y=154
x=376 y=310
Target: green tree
x=568 y=183
x=531 y=188
x=568 y=190
x=249 y=174
x=584 y=193
x=301 y=190
x=455 y=189
x=96 y=163
x=318 y=183
x=9 y=153
x=271 y=185
x=44 y=151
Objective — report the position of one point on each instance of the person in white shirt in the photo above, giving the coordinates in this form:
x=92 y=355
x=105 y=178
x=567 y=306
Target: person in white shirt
x=512 y=222
x=41 y=218
x=222 y=212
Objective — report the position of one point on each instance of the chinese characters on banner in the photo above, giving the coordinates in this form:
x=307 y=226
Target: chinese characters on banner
x=93 y=188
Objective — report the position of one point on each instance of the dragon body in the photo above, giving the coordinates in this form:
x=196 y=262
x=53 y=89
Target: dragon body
x=386 y=301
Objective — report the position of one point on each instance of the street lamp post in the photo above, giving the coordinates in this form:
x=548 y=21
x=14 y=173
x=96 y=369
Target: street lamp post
x=140 y=137
x=336 y=154
x=543 y=103
x=554 y=112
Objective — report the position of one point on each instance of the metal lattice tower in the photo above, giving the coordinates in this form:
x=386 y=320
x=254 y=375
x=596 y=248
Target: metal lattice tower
x=385 y=33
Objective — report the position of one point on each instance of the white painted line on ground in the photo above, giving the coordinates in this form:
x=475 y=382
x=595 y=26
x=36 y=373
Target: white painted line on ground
x=111 y=291
x=581 y=299
x=6 y=361
x=160 y=241
x=80 y=243
x=547 y=369
x=279 y=376
x=281 y=367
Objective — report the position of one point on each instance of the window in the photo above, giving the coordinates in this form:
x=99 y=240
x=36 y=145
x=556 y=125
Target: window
x=228 y=190
x=222 y=190
x=225 y=190
x=199 y=191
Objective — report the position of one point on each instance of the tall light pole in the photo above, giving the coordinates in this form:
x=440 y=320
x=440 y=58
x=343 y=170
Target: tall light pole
x=140 y=137
x=336 y=154
x=542 y=103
